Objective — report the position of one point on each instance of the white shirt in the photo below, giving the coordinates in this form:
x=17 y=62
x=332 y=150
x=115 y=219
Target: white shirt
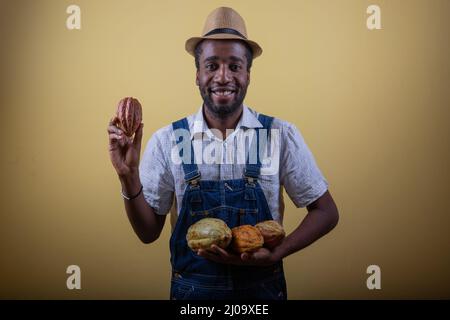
x=162 y=176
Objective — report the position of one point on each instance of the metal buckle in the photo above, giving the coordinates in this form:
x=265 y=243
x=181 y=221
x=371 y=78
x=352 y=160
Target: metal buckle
x=250 y=180
x=194 y=181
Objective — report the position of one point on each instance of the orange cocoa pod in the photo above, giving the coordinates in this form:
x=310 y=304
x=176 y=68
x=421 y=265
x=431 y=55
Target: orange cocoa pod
x=272 y=232
x=246 y=238
x=129 y=115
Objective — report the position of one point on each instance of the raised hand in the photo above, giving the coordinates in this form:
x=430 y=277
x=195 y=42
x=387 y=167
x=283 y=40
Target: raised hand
x=124 y=151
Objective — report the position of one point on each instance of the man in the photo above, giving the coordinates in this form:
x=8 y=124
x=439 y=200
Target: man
x=236 y=192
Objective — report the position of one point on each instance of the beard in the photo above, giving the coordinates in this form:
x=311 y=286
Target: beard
x=222 y=111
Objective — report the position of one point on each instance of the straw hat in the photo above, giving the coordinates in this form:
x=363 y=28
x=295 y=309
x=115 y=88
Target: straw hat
x=224 y=23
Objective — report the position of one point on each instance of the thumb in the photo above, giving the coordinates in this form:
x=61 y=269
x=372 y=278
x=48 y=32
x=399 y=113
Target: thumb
x=138 y=137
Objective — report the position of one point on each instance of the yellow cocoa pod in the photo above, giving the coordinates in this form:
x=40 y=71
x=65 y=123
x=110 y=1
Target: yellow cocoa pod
x=208 y=231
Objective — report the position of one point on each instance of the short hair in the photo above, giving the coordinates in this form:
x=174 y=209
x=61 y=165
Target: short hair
x=248 y=54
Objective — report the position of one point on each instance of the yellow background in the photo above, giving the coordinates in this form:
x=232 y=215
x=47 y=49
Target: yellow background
x=373 y=107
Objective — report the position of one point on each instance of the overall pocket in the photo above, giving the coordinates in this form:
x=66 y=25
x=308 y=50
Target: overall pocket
x=221 y=212
x=186 y=291
x=232 y=216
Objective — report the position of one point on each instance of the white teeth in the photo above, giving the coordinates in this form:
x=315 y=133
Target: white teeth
x=222 y=93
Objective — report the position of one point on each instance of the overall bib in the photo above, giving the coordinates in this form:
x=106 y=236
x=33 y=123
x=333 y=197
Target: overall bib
x=237 y=202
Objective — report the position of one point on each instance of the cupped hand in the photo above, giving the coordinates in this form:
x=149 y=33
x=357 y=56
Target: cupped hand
x=260 y=257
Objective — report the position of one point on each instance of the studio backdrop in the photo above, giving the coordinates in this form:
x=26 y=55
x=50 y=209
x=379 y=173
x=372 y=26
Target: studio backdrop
x=366 y=83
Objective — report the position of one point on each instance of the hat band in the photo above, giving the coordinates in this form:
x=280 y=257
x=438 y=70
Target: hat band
x=225 y=30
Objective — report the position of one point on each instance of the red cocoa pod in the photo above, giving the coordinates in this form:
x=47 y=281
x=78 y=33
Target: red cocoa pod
x=129 y=115
x=272 y=232
x=246 y=238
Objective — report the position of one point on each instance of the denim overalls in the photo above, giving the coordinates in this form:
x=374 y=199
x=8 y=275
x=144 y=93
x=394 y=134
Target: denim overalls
x=237 y=202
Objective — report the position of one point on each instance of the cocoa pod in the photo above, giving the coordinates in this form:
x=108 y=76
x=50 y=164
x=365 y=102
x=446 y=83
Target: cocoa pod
x=208 y=231
x=129 y=115
x=246 y=238
x=272 y=232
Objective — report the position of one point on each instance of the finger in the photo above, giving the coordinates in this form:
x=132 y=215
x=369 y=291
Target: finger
x=114 y=125
x=208 y=255
x=245 y=256
x=211 y=251
x=114 y=142
x=137 y=140
x=218 y=250
x=226 y=256
x=120 y=140
x=113 y=121
x=126 y=140
x=114 y=129
x=115 y=137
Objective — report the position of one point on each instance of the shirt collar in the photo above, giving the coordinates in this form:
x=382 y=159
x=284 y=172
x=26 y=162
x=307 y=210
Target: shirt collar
x=247 y=120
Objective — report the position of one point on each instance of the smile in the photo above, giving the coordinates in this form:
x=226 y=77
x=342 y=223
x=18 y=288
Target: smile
x=222 y=93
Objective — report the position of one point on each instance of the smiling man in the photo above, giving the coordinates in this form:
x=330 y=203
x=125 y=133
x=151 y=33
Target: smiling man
x=223 y=75
x=237 y=193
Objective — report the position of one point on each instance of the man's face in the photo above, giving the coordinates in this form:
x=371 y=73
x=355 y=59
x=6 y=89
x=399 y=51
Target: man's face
x=222 y=76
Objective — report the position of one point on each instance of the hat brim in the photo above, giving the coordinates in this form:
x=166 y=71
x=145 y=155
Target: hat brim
x=191 y=43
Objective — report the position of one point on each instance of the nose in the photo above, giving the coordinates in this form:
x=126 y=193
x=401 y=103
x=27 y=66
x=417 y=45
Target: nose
x=222 y=75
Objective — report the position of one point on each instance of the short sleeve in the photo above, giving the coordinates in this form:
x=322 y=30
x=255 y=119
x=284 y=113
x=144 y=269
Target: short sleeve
x=156 y=176
x=299 y=173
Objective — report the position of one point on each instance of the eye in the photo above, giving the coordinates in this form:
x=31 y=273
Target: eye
x=235 y=67
x=211 y=67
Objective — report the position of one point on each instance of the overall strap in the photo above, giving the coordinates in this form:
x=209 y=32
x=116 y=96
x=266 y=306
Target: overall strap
x=252 y=170
x=183 y=140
